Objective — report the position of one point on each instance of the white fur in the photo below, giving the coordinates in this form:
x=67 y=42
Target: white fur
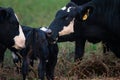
x=19 y=39
x=44 y=29
x=67 y=29
x=64 y=8
x=68 y=10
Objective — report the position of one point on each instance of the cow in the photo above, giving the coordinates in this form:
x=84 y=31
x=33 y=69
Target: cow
x=37 y=47
x=88 y=29
x=11 y=32
x=63 y=19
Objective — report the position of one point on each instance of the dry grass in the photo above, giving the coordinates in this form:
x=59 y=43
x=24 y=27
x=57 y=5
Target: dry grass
x=92 y=67
x=95 y=66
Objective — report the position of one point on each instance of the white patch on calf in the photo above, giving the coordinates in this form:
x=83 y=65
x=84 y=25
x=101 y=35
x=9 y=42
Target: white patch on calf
x=19 y=39
x=67 y=29
x=46 y=30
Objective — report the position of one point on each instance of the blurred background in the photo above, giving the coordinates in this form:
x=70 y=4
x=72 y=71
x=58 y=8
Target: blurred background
x=34 y=13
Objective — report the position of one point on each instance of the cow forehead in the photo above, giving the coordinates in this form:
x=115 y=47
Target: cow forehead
x=66 y=8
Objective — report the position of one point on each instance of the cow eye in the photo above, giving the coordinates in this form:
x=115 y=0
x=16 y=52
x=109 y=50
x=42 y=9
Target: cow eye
x=66 y=18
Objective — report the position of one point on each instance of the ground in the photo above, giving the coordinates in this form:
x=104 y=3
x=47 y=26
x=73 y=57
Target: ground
x=92 y=67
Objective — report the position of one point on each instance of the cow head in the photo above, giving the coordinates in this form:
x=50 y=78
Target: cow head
x=11 y=33
x=62 y=19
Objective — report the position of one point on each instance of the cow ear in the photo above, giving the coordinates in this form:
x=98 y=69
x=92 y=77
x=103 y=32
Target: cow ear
x=85 y=12
x=3 y=14
x=85 y=15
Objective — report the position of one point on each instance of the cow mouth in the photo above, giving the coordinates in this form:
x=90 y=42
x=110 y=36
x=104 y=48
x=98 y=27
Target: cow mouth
x=52 y=39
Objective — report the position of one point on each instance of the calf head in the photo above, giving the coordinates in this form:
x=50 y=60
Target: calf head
x=62 y=19
x=11 y=32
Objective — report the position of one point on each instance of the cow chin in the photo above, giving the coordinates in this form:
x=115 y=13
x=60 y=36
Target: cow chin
x=67 y=29
x=19 y=40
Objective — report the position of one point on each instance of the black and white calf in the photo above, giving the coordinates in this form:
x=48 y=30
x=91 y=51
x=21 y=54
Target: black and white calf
x=36 y=48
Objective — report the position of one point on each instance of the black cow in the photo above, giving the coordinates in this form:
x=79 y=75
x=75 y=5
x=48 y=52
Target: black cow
x=11 y=34
x=105 y=16
x=71 y=36
x=98 y=26
x=63 y=19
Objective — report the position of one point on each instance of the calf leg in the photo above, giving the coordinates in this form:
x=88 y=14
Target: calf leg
x=41 y=69
x=52 y=60
x=25 y=68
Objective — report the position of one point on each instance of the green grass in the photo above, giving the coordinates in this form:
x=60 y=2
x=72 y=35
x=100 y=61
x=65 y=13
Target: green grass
x=34 y=13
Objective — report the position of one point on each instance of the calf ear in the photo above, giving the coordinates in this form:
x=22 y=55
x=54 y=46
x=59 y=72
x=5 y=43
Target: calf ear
x=46 y=30
x=85 y=12
x=3 y=14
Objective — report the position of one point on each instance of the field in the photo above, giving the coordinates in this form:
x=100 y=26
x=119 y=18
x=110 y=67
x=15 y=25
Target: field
x=94 y=66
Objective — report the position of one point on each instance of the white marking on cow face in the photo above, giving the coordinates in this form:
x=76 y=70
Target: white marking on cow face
x=68 y=10
x=19 y=39
x=67 y=29
x=64 y=8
